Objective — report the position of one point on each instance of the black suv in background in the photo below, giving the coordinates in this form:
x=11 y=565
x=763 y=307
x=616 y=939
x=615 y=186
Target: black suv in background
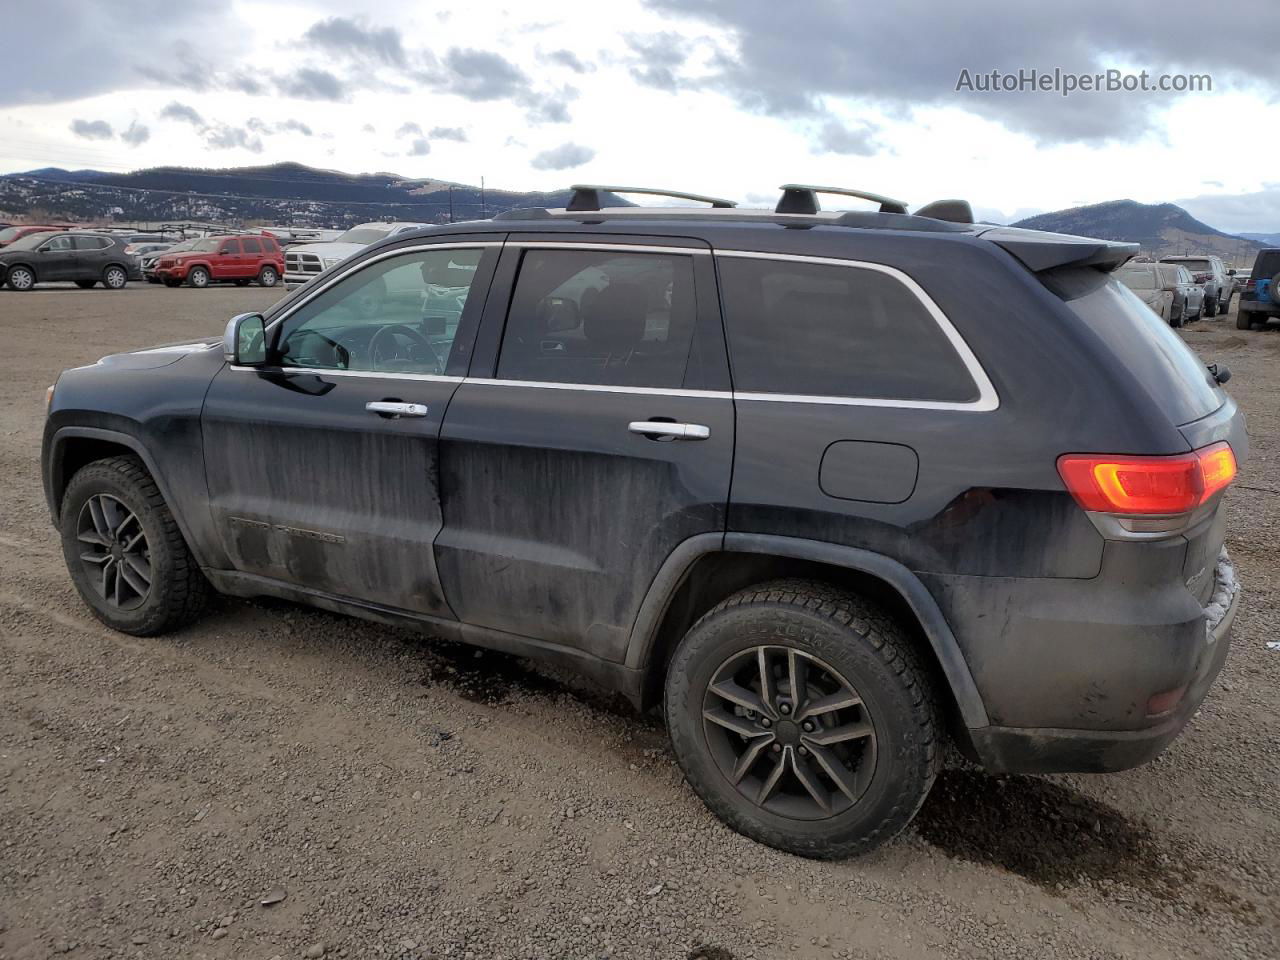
x=1260 y=298
x=803 y=477
x=82 y=257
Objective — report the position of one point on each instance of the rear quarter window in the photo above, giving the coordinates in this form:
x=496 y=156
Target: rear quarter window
x=1154 y=355
x=814 y=329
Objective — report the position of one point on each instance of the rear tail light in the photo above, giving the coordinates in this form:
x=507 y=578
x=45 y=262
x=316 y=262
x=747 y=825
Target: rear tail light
x=1148 y=494
x=1251 y=284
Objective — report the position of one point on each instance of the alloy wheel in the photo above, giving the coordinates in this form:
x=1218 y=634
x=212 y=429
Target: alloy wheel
x=115 y=278
x=789 y=732
x=115 y=553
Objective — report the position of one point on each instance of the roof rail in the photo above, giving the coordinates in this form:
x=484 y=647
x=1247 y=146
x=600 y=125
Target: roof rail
x=802 y=198
x=586 y=196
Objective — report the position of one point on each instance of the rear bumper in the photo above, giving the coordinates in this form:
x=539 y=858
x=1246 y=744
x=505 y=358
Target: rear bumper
x=1003 y=749
x=1253 y=306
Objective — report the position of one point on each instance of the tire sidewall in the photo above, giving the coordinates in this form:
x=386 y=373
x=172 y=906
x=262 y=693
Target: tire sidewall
x=114 y=271
x=96 y=479
x=198 y=277
x=900 y=761
x=23 y=271
x=268 y=276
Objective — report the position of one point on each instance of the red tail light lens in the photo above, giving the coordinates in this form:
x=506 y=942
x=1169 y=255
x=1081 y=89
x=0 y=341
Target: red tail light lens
x=1147 y=486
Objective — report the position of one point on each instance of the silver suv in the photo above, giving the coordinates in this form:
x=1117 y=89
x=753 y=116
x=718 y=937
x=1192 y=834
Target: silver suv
x=1211 y=274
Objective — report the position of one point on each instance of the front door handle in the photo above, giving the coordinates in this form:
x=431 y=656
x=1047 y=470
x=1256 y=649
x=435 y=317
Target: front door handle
x=394 y=408
x=663 y=430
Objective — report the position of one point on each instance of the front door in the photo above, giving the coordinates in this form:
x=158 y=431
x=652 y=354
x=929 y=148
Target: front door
x=229 y=263
x=57 y=259
x=323 y=467
x=594 y=440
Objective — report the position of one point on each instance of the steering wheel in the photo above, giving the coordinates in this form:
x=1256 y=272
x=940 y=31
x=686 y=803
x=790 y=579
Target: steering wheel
x=385 y=337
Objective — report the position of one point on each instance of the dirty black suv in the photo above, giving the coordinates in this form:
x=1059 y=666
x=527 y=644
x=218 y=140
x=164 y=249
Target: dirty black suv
x=832 y=487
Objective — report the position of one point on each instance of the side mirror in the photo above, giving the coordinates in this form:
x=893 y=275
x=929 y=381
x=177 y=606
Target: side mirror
x=1231 y=272
x=245 y=341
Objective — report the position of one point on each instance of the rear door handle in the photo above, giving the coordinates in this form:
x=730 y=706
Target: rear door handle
x=394 y=408
x=662 y=430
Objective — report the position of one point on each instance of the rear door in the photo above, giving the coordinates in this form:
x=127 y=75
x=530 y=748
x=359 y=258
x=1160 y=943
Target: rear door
x=593 y=435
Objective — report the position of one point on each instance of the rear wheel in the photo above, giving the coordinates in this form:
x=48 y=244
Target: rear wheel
x=1210 y=306
x=1244 y=321
x=198 y=277
x=21 y=278
x=1175 y=316
x=802 y=718
x=114 y=277
x=125 y=553
x=268 y=276
x=86 y=284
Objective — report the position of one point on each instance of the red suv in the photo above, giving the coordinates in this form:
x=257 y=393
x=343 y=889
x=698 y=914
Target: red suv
x=215 y=259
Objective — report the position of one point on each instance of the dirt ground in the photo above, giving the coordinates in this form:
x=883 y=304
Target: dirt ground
x=420 y=800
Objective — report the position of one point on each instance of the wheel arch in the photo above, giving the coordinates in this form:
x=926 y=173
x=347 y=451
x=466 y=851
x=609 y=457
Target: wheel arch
x=705 y=569
x=10 y=267
x=72 y=448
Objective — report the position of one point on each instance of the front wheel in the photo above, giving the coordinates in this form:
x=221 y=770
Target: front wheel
x=21 y=279
x=801 y=716
x=114 y=277
x=198 y=277
x=268 y=276
x=127 y=557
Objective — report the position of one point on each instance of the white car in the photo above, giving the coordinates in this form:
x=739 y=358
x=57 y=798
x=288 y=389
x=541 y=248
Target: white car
x=303 y=261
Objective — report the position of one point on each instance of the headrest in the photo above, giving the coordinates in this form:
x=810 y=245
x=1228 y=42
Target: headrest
x=615 y=318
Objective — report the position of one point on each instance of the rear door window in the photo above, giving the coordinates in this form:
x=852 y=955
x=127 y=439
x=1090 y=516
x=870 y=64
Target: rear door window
x=1154 y=355
x=835 y=331
x=251 y=245
x=600 y=317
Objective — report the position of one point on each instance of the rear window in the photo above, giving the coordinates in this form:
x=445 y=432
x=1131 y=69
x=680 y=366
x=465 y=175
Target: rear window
x=1154 y=355
x=269 y=245
x=1195 y=266
x=1137 y=279
x=1266 y=265
x=834 y=331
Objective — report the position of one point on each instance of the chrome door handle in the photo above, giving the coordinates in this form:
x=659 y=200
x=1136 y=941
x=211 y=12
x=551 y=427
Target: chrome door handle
x=390 y=408
x=672 y=431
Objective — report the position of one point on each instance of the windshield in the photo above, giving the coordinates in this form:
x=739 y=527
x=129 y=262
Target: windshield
x=363 y=235
x=30 y=241
x=7 y=234
x=1154 y=355
x=1140 y=279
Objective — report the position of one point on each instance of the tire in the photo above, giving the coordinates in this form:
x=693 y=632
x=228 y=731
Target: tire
x=198 y=277
x=844 y=643
x=1244 y=321
x=1209 y=308
x=1175 y=319
x=268 y=276
x=114 y=277
x=177 y=591
x=86 y=284
x=21 y=279
x=172 y=282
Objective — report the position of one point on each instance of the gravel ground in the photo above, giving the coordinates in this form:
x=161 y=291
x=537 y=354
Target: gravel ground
x=409 y=799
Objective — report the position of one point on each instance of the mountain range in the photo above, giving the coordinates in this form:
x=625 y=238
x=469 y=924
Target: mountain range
x=1161 y=229
x=287 y=194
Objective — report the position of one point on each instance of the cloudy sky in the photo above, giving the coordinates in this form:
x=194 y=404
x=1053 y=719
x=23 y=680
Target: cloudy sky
x=727 y=97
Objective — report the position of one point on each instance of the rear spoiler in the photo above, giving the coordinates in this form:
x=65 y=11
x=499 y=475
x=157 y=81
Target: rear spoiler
x=1038 y=250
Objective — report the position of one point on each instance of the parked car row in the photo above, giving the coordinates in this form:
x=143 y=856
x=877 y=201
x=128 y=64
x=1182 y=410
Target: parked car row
x=1183 y=288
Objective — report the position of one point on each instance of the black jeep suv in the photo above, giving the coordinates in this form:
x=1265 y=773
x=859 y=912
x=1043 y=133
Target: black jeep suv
x=1260 y=298
x=831 y=487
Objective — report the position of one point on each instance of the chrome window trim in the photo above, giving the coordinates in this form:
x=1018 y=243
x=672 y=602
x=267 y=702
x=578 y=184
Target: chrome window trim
x=331 y=372
x=602 y=388
x=584 y=245
x=987 y=400
x=398 y=251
